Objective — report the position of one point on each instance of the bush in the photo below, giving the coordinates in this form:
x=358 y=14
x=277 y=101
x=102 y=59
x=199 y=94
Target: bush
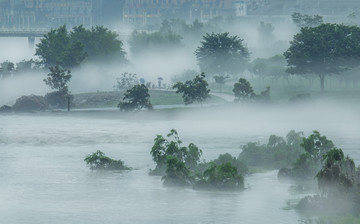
x=29 y=104
x=98 y=161
x=277 y=153
x=223 y=176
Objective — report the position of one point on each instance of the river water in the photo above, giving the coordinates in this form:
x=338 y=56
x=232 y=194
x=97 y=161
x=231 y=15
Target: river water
x=43 y=178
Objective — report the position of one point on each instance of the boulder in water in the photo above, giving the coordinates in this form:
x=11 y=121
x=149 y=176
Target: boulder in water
x=5 y=109
x=30 y=104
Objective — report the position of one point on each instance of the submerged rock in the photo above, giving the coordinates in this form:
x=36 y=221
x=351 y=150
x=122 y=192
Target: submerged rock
x=5 y=109
x=30 y=104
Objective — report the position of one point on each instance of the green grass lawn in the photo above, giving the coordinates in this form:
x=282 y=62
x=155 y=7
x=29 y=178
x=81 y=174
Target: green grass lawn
x=111 y=99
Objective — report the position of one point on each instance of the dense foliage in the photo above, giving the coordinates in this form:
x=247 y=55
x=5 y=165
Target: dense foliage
x=126 y=81
x=163 y=148
x=141 y=41
x=309 y=163
x=304 y=20
x=324 y=50
x=98 y=161
x=222 y=54
x=58 y=79
x=195 y=90
x=244 y=92
x=223 y=176
x=69 y=49
x=136 y=98
x=181 y=166
x=277 y=153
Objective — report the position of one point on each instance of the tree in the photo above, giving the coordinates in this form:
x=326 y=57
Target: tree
x=98 y=161
x=324 y=50
x=70 y=49
x=221 y=79
x=99 y=43
x=136 y=98
x=141 y=41
x=304 y=20
x=222 y=54
x=163 y=149
x=223 y=176
x=6 y=68
x=126 y=81
x=176 y=174
x=56 y=48
x=58 y=79
x=193 y=90
x=243 y=91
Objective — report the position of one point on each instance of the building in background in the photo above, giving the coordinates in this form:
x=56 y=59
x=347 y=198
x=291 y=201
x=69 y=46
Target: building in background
x=142 y=12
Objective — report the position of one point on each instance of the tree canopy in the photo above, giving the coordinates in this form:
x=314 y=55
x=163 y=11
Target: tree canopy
x=69 y=49
x=136 y=98
x=222 y=54
x=324 y=50
x=195 y=90
x=304 y=20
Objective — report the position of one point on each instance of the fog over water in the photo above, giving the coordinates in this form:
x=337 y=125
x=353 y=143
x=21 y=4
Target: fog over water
x=44 y=178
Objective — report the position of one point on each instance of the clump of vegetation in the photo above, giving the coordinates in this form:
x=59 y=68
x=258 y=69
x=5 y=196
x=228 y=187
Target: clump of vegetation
x=58 y=79
x=163 y=149
x=98 y=161
x=339 y=184
x=136 y=98
x=237 y=163
x=310 y=162
x=277 y=153
x=181 y=166
x=126 y=81
x=223 y=176
x=221 y=54
x=70 y=49
x=160 y=40
x=245 y=93
x=195 y=90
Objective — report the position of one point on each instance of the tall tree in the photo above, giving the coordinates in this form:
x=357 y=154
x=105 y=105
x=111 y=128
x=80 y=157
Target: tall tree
x=222 y=54
x=136 y=98
x=193 y=90
x=304 y=20
x=324 y=50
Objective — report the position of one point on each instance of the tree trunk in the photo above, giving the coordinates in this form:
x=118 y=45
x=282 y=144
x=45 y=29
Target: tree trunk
x=322 y=82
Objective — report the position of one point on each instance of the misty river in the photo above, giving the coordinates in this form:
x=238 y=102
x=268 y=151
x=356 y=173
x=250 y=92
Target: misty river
x=43 y=178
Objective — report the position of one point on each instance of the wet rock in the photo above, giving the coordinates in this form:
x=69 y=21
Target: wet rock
x=6 y=109
x=30 y=104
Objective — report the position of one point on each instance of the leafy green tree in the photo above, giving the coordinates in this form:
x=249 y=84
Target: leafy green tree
x=99 y=43
x=70 y=49
x=163 y=148
x=223 y=176
x=98 y=161
x=176 y=174
x=195 y=90
x=221 y=79
x=243 y=91
x=7 y=68
x=310 y=162
x=304 y=20
x=317 y=146
x=58 y=79
x=136 y=98
x=324 y=50
x=56 y=48
x=126 y=81
x=227 y=158
x=141 y=41
x=222 y=54
x=277 y=153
